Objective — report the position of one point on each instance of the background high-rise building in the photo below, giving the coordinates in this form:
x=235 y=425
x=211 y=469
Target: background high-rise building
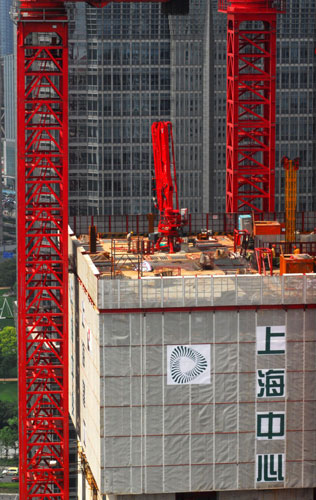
x=1 y=145
x=135 y=65
x=9 y=142
x=6 y=28
x=132 y=64
x=119 y=84
x=6 y=47
x=296 y=104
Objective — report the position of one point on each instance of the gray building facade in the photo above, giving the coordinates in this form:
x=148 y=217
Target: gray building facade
x=9 y=143
x=140 y=66
x=132 y=64
x=6 y=28
x=119 y=84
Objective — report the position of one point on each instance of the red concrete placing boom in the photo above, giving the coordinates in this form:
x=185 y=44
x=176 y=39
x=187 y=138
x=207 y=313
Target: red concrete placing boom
x=166 y=186
x=42 y=89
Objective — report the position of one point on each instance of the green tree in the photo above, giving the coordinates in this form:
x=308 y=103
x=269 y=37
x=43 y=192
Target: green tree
x=8 y=344
x=9 y=436
x=8 y=272
x=8 y=410
x=8 y=352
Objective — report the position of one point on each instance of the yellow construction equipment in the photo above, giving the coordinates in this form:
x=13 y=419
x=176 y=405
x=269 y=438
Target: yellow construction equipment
x=291 y=168
x=87 y=472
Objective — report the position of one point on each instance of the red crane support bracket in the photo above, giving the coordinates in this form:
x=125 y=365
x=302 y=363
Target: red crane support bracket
x=250 y=122
x=261 y=255
x=241 y=238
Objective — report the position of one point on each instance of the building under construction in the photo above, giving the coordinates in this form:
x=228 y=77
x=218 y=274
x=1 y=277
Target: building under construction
x=189 y=379
x=191 y=355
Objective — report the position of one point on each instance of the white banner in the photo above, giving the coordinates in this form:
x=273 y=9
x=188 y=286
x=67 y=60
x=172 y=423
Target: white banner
x=188 y=364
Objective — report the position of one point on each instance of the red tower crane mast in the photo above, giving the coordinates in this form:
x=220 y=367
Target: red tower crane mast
x=166 y=185
x=250 y=121
x=42 y=89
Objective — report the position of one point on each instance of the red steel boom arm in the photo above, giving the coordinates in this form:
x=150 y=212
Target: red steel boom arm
x=166 y=184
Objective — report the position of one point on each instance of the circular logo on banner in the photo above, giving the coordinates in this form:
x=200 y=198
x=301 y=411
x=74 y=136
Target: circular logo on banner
x=186 y=364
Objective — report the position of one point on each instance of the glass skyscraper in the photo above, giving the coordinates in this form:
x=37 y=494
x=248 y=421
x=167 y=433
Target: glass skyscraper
x=9 y=143
x=296 y=93
x=6 y=28
x=119 y=83
x=131 y=64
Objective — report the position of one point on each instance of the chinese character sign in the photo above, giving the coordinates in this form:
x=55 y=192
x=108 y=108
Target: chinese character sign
x=271 y=339
x=271 y=383
x=270 y=468
x=271 y=425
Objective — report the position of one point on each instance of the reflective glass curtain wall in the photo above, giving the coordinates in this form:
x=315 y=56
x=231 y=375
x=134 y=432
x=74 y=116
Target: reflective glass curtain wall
x=130 y=65
x=192 y=104
x=6 y=28
x=119 y=85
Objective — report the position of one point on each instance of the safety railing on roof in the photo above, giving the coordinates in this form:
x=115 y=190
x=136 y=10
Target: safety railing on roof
x=216 y=222
x=282 y=247
x=202 y=291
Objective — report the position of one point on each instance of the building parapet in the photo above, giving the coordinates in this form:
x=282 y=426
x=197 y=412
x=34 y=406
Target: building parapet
x=204 y=291
x=190 y=291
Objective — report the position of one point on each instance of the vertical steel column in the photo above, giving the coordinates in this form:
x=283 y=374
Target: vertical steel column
x=251 y=80
x=42 y=73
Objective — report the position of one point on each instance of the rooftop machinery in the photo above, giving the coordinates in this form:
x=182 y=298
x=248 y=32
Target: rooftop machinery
x=250 y=122
x=170 y=219
x=42 y=89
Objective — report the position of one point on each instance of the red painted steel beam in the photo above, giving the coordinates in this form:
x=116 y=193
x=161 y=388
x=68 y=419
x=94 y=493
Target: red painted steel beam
x=28 y=5
x=250 y=120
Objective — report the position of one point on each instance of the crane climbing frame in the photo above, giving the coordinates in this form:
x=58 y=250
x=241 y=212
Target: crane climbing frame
x=250 y=120
x=42 y=90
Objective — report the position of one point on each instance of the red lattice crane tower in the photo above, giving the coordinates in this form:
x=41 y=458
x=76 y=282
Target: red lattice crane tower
x=250 y=121
x=42 y=89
